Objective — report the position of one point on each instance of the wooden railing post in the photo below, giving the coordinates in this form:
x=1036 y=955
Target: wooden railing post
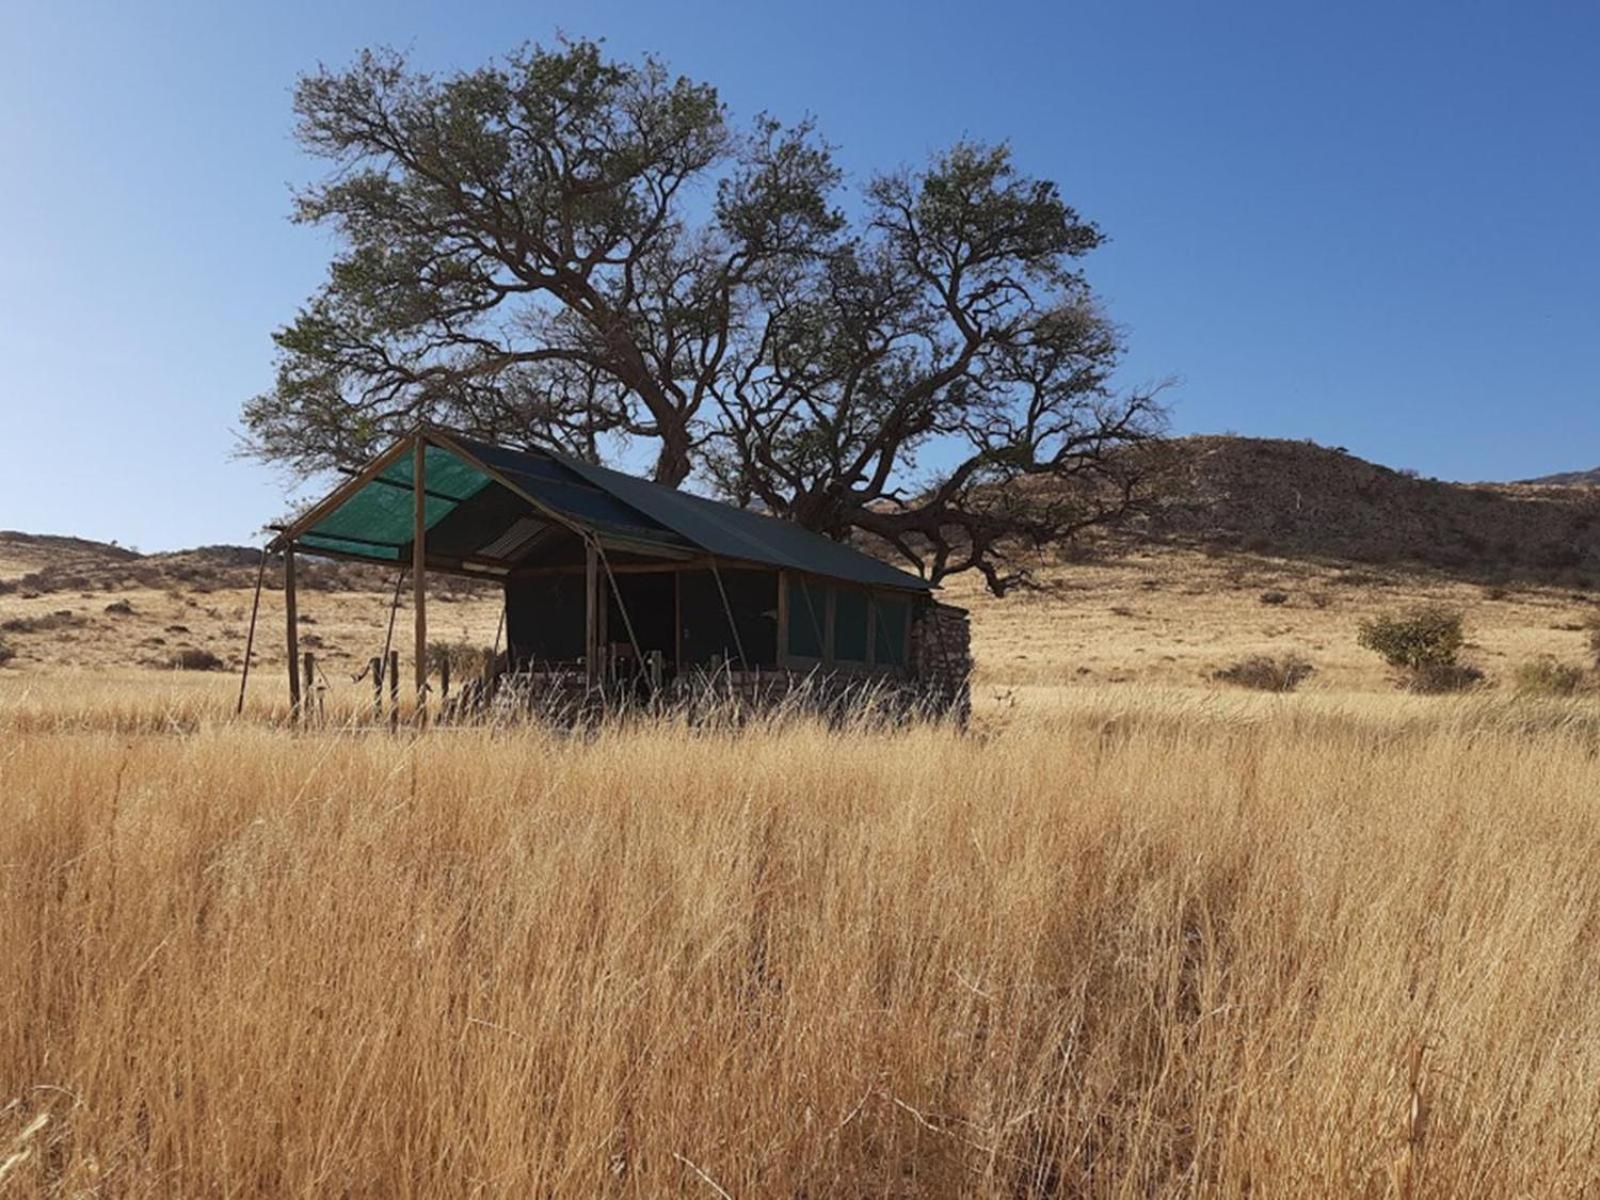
x=394 y=689
x=308 y=687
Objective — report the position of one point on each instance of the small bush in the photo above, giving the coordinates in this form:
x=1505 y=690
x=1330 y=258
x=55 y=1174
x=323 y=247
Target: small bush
x=1593 y=625
x=1545 y=676
x=1264 y=673
x=6 y=652
x=1429 y=635
x=1274 y=597
x=62 y=618
x=196 y=659
x=120 y=608
x=1432 y=679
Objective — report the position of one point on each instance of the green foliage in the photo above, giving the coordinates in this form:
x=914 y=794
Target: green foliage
x=1422 y=637
x=1264 y=673
x=1546 y=676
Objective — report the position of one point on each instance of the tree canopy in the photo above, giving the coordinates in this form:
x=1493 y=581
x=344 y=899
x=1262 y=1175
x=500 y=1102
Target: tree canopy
x=559 y=247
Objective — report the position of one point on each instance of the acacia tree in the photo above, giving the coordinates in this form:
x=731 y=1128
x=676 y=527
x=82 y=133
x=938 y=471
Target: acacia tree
x=562 y=248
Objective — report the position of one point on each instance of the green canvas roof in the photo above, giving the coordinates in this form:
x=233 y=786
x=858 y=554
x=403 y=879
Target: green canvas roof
x=490 y=507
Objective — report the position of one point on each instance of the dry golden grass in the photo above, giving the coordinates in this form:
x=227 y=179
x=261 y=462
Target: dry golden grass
x=1121 y=942
x=1173 y=617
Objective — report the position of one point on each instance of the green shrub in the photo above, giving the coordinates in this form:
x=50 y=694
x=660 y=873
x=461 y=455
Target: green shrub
x=1545 y=676
x=1426 y=636
x=1264 y=673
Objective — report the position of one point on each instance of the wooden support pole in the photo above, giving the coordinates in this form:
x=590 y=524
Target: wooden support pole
x=591 y=616
x=376 y=667
x=677 y=622
x=291 y=617
x=783 y=618
x=250 y=638
x=419 y=572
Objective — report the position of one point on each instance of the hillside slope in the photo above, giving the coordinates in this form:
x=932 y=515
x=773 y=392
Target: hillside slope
x=1589 y=478
x=1299 y=500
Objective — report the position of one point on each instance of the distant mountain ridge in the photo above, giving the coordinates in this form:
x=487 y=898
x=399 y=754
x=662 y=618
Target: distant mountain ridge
x=1589 y=478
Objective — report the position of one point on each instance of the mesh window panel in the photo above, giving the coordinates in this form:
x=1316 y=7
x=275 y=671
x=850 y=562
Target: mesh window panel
x=849 y=625
x=545 y=618
x=808 y=618
x=890 y=647
x=753 y=597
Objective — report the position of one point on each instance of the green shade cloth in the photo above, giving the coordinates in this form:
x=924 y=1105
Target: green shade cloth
x=382 y=512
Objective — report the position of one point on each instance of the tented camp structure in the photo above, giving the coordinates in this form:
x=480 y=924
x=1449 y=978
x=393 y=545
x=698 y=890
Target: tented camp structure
x=614 y=585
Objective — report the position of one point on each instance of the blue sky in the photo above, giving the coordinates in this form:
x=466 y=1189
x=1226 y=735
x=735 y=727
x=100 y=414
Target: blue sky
x=1371 y=224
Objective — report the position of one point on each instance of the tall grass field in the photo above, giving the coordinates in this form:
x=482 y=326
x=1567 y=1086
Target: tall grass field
x=1131 y=943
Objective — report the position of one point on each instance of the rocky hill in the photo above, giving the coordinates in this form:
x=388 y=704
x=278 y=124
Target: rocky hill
x=39 y=564
x=1300 y=500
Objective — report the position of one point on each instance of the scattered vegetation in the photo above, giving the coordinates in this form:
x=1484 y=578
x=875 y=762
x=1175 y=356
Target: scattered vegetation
x=1547 y=676
x=62 y=618
x=1266 y=673
x=1274 y=597
x=194 y=658
x=1592 y=626
x=120 y=608
x=6 y=652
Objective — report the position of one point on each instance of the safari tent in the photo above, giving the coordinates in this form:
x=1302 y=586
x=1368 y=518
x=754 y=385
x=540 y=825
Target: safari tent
x=615 y=584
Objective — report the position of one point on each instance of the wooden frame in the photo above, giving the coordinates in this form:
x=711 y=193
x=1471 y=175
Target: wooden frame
x=829 y=659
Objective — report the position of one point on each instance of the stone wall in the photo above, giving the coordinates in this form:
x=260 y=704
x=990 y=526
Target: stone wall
x=941 y=657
